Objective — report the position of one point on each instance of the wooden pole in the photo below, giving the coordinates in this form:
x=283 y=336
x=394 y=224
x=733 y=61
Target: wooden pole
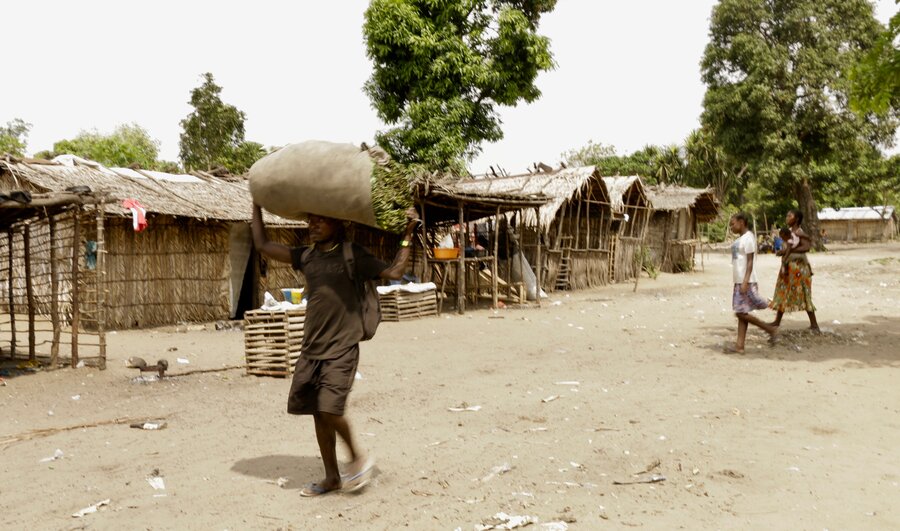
x=29 y=290
x=578 y=226
x=76 y=316
x=494 y=265
x=54 y=294
x=538 y=268
x=426 y=271
x=12 y=299
x=587 y=218
x=101 y=285
x=637 y=277
x=461 y=265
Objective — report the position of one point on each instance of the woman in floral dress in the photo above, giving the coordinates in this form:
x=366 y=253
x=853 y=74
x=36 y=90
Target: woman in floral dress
x=793 y=290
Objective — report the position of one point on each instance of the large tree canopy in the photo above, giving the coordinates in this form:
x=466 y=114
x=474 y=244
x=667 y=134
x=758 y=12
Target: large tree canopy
x=441 y=69
x=213 y=133
x=777 y=91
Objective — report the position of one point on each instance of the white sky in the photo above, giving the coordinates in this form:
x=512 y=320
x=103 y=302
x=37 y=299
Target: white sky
x=627 y=75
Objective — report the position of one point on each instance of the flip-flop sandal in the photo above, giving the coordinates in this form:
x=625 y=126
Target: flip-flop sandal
x=355 y=482
x=314 y=489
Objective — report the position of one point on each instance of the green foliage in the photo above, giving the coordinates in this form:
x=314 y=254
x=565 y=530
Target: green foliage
x=777 y=91
x=441 y=70
x=14 y=137
x=654 y=164
x=604 y=157
x=876 y=79
x=391 y=194
x=213 y=133
x=707 y=164
x=128 y=144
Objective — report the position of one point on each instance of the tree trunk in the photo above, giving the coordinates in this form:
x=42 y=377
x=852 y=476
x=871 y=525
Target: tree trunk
x=807 y=204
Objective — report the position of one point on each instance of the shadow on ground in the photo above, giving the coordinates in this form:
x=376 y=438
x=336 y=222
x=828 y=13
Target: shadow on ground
x=299 y=470
x=874 y=342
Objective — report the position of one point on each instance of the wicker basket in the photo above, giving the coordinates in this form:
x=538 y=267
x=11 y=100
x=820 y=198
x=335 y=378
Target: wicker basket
x=404 y=306
x=272 y=341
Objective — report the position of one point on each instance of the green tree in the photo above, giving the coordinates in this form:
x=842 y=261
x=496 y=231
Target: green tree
x=14 y=137
x=442 y=69
x=128 y=144
x=777 y=91
x=876 y=79
x=213 y=133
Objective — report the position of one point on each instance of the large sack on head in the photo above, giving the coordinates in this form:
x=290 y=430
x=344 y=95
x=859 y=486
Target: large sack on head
x=314 y=177
x=335 y=180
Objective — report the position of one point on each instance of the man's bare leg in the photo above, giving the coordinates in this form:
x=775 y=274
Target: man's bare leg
x=325 y=436
x=341 y=426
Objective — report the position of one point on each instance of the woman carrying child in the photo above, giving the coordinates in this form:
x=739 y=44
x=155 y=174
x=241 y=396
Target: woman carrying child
x=793 y=289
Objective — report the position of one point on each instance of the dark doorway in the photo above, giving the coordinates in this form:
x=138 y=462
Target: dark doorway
x=249 y=297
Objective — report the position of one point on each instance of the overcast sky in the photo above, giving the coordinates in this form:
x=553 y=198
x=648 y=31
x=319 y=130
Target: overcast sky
x=627 y=75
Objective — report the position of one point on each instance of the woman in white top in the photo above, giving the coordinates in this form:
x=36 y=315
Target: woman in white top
x=745 y=297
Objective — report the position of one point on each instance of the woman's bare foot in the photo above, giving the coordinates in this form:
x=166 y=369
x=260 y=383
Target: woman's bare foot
x=733 y=350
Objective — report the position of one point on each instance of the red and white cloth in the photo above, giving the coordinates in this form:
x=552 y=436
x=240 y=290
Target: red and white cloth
x=138 y=214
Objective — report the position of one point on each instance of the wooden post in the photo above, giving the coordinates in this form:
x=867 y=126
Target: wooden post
x=578 y=226
x=101 y=285
x=538 y=269
x=12 y=300
x=54 y=294
x=426 y=271
x=461 y=265
x=587 y=217
x=494 y=265
x=637 y=277
x=76 y=295
x=29 y=290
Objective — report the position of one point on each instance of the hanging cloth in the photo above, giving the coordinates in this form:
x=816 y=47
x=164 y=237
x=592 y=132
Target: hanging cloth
x=138 y=214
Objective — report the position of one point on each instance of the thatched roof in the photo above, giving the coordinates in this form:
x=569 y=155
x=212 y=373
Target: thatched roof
x=444 y=195
x=198 y=195
x=625 y=191
x=556 y=187
x=669 y=198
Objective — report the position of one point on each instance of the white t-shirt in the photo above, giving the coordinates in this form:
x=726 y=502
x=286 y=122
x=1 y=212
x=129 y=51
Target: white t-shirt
x=741 y=247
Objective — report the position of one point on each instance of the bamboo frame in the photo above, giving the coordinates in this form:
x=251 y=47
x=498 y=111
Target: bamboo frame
x=29 y=290
x=12 y=299
x=101 y=285
x=54 y=293
x=76 y=315
x=461 y=264
x=495 y=296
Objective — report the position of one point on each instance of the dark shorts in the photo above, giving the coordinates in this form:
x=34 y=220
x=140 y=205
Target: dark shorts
x=322 y=385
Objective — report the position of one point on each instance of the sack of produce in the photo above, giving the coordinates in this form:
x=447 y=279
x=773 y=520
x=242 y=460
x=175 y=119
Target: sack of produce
x=339 y=181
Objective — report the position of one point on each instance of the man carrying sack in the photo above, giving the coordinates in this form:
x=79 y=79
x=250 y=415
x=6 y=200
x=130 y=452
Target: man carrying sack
x=336 y=321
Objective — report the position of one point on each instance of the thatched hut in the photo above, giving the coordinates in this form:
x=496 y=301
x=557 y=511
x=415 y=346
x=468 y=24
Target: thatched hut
x=450 y=206
x=631 y=214
x=194 y=262
x=673 y=235
x=589 y=231
x=859 y=224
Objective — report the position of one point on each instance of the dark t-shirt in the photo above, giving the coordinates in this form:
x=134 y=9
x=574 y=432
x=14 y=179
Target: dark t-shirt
x=333 y=318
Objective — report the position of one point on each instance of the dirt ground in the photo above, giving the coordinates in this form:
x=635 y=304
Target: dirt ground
x=803 y=435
